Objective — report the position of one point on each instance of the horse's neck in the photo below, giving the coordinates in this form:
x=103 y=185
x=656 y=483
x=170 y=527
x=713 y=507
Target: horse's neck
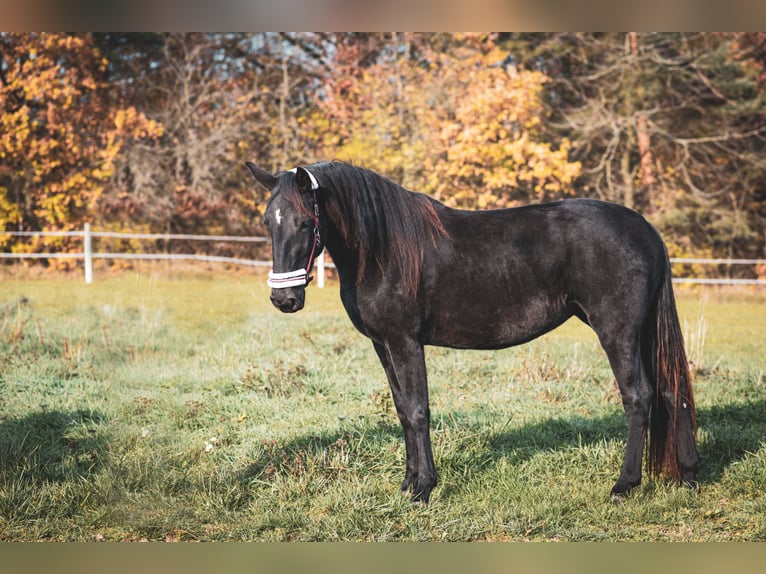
x=344 y=256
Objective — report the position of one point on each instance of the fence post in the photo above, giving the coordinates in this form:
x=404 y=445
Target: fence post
x=320 y=270
x=88 y=254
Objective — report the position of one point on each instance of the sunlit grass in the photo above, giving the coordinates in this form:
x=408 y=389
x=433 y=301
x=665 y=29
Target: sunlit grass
x=168 y=406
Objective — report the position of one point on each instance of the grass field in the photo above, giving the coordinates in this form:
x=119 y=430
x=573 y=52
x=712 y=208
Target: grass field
x=182 y=406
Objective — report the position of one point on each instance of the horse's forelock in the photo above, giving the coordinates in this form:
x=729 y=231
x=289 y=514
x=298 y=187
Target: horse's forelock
x=288 y=188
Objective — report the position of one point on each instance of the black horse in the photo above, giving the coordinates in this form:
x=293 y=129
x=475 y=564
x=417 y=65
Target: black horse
x=415 y=272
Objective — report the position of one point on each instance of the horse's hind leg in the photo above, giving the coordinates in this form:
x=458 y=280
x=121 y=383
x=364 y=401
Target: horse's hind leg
x=624 y=353
x=688 y=457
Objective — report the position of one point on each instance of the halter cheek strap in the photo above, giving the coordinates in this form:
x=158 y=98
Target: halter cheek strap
x=314 y=182
x=300 y=277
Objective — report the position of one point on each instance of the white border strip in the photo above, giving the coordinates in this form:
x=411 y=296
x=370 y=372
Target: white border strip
x=295 y=278
x=314 y=182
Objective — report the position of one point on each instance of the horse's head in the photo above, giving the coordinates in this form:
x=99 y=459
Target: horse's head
x=292 y=217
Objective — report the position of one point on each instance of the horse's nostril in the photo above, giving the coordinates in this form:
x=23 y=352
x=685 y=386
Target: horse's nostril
x=286 y=303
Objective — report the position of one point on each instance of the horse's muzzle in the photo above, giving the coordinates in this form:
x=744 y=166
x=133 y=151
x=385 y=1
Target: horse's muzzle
x=288 y=300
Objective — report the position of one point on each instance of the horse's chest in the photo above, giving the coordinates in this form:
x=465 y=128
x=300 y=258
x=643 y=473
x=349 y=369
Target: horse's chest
x=381 y=317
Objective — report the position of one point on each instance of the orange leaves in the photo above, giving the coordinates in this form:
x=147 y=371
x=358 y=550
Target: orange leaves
x=129 y=125
x=459 y=123
x=491 y=132
x=56 y=143
x=135 y=124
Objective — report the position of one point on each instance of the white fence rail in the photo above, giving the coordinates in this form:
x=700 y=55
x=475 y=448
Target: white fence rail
x=88 y=255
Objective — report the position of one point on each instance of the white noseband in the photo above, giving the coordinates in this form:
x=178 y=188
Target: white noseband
x=284 y=280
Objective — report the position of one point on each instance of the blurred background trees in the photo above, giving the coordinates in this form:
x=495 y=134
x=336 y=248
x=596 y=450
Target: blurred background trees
x=149 y=131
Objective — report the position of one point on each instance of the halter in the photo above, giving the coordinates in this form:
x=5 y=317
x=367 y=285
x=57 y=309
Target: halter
x=300 y=277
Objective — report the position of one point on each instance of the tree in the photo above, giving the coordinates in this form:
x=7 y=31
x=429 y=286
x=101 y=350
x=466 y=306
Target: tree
x=58 y=139
x=671 y=124
x=222 y=99
x=148 y=131
x=447 y=115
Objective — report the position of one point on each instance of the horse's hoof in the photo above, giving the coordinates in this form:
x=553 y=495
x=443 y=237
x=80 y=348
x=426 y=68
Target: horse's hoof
x=407 y=485
x=619 y=497
x=420 y=498
x=620 y=492
x=691 y=485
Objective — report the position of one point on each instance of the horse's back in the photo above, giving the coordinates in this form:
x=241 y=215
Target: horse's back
x=562 y=236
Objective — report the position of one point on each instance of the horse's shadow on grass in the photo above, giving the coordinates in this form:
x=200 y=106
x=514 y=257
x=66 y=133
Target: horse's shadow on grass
x=50 y=445
x=728 y=433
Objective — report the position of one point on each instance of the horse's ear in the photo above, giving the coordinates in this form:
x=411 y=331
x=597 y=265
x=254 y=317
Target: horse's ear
x=304 y=180
x=262 y=176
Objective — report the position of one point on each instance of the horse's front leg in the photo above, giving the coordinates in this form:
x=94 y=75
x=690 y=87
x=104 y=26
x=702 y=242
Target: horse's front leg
x=404 y=363
x=411 y=472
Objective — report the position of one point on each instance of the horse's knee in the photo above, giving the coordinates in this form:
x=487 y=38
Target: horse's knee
x=417 y=418
x=637 y=404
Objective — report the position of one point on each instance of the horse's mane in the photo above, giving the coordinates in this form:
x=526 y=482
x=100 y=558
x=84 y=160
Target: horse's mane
x=388 y=225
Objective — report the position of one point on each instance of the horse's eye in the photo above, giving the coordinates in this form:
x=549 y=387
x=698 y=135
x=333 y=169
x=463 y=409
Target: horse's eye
x=305 y=225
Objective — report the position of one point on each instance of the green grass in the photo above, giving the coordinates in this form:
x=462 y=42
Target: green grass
x=184 y=407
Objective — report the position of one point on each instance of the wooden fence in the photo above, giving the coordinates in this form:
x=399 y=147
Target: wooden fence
x=88 y=254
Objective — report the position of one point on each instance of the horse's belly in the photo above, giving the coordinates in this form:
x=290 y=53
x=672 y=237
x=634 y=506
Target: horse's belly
x=496 y=328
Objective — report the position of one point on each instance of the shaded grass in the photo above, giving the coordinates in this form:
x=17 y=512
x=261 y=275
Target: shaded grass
x=155 y=407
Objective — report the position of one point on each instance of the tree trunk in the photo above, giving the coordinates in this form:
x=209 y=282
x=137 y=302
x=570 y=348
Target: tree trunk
x=648 y=178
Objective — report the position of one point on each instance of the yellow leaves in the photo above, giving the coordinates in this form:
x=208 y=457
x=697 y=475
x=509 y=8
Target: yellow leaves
x=123 y=116
x=491 y=140
x=9 y=209
x=130 y=125
x=459 y=125
x=59 y=137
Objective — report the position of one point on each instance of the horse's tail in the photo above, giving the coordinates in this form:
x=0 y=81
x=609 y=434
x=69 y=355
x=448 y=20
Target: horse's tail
x=673 y=402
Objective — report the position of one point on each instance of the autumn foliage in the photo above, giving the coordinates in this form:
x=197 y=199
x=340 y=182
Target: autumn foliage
x=60 y=133
x=460 y=123
x=149 y=131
